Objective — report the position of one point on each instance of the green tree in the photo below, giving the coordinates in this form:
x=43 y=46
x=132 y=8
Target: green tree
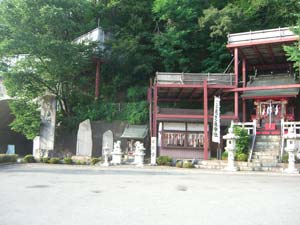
x=40 y=34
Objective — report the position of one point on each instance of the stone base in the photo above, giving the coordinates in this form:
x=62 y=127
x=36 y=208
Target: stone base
x=105 y=164
x=293 y=171
x=231 y=169
x=116 y=159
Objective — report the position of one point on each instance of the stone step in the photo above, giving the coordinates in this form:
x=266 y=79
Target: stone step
x=264 y=143
x=266 y=153
x=268 y=138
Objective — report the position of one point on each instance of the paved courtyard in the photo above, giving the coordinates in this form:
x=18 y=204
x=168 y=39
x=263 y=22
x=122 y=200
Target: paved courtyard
x=37 y=194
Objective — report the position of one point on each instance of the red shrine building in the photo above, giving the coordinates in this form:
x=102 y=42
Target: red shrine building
x=263 y=89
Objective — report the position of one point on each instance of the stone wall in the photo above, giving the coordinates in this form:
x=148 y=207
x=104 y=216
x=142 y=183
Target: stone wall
x=9 y=137
x=65 y=142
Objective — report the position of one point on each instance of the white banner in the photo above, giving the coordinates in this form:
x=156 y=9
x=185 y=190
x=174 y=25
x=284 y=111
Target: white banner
x=216 y=121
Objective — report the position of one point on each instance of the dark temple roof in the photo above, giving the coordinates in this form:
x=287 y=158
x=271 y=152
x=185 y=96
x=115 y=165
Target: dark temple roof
x=272 y=80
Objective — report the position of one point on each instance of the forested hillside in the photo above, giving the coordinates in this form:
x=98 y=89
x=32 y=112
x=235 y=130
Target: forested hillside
x=148 y=36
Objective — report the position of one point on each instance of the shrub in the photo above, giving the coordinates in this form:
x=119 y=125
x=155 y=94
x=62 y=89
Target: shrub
x=45 y=160
x=224 y=155
x=29 y=159
x=54 y=160
x=179 y=164
x=242 y=157
x=78 y=162
x=285 y=158
x=8 y=158
x=95 y=161
x=187 y=164
x=68 y=160
x=242 y=144
x=164 y=161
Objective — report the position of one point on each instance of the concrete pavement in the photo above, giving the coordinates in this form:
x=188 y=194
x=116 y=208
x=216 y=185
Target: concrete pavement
x=40 y=194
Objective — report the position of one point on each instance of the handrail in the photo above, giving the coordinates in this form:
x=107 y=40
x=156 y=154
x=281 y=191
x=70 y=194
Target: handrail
x=194 y=78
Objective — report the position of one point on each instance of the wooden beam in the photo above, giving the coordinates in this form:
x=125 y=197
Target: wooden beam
x=236 y=66
x=271 y=54
x=261 y=59
x=273 y=87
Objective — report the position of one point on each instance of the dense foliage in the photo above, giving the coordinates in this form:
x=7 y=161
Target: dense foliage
x=148 y=36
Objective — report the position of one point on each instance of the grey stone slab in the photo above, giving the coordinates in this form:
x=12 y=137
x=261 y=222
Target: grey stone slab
x=84 y=139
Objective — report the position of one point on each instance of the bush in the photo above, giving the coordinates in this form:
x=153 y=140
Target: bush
x=242 y=157
x=179 y=164
x=95 y=161
x=78 y=162
x=29 y=159
x=285 y=158
x=187 y=164
x=54 y=160
x=164 y=161
x=45 y=160
x=225 y=155
x=8 y=158
x=242 y=144
x=68 y=160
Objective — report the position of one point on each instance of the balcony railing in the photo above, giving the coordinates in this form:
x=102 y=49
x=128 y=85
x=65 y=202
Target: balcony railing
x=195 y=78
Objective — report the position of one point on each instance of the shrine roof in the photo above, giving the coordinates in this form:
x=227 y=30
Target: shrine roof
x=135 y=132
x=271 y=80
x=263 y=48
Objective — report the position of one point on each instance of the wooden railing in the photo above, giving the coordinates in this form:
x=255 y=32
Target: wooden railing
x=195 y=78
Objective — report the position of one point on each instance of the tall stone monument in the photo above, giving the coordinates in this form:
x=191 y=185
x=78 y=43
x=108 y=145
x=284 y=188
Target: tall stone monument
x=107 y=141
x=47 y=128
x=84 y=139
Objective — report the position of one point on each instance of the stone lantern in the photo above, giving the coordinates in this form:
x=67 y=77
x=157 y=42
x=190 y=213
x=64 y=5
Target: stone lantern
x=139 y=154
x=117 y=153
x=230 y=148
x=291 y=149
x=106 y=153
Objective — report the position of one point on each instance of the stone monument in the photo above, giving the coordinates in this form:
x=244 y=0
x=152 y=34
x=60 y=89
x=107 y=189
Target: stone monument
x=153 y=151
x=117 y=153
x=230 y=148
x=47 y=128
x=139 y=154
x=84 y=139
x=107 y=146
x=36 y=148
x=291 y=149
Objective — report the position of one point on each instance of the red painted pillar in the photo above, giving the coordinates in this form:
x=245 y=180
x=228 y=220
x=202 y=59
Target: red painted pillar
x=244 y=85
x=154 y=129
x=97 y=79
x=236 y=76
x=244 y=72
x=205 y=109
x=150 y=107
x=244 y=110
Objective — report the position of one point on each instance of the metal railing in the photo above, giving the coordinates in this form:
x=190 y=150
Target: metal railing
x=261 y=35
x=195 y=78
x=251 y=129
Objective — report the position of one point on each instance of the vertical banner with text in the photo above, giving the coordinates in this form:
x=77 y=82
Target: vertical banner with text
x=216 y=121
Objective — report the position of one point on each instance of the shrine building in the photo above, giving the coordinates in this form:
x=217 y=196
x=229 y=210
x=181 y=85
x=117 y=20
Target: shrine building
x=263 y=90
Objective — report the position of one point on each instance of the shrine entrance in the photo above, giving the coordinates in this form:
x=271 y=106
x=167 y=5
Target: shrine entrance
x=268 y=114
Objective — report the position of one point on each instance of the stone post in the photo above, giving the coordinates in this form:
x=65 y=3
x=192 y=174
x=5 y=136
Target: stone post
x=106 y=153
x=230 y=148
x=117 y=153
x=139 y=154
x=291 y=149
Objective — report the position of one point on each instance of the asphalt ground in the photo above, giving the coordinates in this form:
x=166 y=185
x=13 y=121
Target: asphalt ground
x=38 y=194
